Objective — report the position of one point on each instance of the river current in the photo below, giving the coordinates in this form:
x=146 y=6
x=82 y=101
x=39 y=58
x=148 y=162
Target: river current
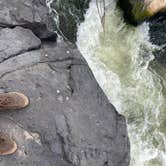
x=120 y=56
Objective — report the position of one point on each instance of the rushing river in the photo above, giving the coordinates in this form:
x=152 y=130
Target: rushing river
x=120 y=56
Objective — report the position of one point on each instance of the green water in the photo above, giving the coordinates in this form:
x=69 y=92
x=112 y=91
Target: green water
x=121 y=58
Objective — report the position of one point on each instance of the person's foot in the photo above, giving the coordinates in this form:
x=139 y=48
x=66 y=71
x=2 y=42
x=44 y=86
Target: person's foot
x=7 y=144
x=13 y=100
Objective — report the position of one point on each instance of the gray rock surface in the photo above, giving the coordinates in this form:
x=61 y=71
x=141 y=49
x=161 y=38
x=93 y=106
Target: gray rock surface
x=32 y=14
x=73 y=118
x=30 y=150
x=16 y=41
x=69 y=122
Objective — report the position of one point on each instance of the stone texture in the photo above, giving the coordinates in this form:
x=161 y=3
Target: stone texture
x=30 y=150
x=28 y=13
x=16 y=41
x=69 y=122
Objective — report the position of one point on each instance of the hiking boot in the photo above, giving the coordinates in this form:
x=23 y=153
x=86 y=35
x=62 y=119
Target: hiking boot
x=7 y=144
x=13 y=100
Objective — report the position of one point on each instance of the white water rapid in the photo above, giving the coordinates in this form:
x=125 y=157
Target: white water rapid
x=119 y=56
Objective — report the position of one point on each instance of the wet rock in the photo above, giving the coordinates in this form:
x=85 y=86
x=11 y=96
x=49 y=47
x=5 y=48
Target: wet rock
x=157 y=32
x=70 y=14
x=137 y=11
x=158 y=29
x=31 y=14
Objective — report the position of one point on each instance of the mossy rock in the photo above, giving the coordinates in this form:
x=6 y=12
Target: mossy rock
x=140 y=12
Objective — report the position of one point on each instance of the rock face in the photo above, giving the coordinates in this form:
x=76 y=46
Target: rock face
x=137 y=11
x=69 y=122
x=31 y=14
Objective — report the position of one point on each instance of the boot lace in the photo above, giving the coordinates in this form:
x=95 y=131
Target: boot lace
x=5 y=100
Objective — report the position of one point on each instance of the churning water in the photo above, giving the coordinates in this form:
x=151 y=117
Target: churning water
x=119 y=56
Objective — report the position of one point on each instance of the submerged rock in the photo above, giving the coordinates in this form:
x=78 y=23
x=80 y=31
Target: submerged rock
x=157 y=32
x=158 y=29
x=136 y=11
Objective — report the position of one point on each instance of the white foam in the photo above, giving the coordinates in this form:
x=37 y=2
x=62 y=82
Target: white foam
x=119 y=58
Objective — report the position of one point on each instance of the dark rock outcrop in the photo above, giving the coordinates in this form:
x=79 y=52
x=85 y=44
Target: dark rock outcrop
x=158 y=29
x=157 y=32
x=126 y=7
x=70 y=14
x=70 y=121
